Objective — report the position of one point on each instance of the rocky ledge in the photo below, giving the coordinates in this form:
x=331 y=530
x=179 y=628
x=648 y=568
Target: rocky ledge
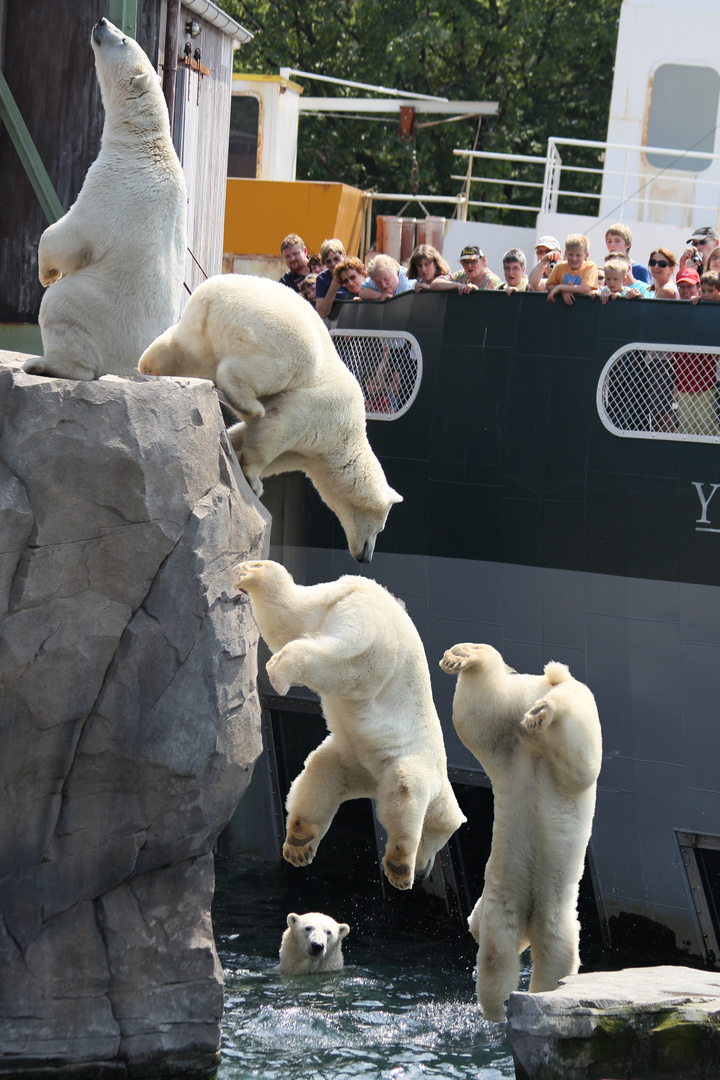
x=656 y=1022
x=129 y=719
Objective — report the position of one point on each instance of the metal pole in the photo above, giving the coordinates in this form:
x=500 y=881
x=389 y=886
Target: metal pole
x=172 y=33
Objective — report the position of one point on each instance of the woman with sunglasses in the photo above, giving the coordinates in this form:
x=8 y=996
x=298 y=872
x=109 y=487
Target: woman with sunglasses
x=661 y=265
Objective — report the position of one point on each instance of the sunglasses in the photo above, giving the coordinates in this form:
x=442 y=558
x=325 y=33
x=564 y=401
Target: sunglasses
x=469 y=262
x=659 y=262
x=701 y=243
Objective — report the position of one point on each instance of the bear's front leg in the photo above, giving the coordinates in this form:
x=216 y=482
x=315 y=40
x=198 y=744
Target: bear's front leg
x=283 y=669
x=540 y=715
x=461 y=656
x=62 y=250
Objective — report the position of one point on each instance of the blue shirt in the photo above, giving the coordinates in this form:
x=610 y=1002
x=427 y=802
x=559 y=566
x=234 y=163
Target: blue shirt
x=323 y=283
x=404 y=284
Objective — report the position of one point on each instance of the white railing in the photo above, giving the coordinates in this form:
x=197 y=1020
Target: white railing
x=632 y=183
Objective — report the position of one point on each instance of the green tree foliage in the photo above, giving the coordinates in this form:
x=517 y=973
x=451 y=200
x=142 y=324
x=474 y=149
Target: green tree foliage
x=548 y=65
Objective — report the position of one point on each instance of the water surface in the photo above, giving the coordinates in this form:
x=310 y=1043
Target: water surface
x=402 y=1008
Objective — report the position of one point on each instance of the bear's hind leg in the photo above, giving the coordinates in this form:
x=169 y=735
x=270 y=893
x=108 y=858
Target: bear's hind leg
x=555 y=948
x=314 y=798
x=499 y=937
x=401 y=808
x=442 y=818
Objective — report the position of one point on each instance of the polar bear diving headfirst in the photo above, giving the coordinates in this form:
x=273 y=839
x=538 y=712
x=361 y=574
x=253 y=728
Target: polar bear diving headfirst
x=115 y=261
x=538 y=739
x=356 y=646
x=271 y=355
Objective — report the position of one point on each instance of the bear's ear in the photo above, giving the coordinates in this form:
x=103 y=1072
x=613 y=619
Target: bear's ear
x=293 y=918
x=395 y=497
x=343 y=930
x=140 y=83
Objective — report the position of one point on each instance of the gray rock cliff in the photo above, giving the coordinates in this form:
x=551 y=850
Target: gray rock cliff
x=129 y=717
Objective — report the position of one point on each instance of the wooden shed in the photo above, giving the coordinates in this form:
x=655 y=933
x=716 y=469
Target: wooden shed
x=49 y=81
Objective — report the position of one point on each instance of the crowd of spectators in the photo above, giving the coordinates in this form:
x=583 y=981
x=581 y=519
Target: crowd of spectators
x=562 y=273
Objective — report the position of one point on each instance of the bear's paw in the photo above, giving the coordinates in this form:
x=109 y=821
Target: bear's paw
x=539 y=716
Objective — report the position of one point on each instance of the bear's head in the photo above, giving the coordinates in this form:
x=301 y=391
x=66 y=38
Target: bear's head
x=130 y=87
x=364 y=519
x=261 y=574
x=316 y=934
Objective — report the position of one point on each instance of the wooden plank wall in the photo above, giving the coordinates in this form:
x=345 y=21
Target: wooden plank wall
x=202 y=132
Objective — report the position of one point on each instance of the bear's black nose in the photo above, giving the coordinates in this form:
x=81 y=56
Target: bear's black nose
x=316 y=947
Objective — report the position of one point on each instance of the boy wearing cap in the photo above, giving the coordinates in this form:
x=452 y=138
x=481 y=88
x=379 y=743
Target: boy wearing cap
x=688 y=284
x=474 y=274
x=576 y=275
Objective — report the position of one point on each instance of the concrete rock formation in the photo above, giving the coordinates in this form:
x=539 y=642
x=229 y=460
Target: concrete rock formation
x=659 y=1022
x=129 y=719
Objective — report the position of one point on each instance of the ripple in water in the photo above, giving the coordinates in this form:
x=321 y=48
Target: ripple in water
x=359 y=1022
x=402 y=1008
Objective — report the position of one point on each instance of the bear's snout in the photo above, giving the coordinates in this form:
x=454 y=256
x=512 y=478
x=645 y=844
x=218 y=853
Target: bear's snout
x=316 y=947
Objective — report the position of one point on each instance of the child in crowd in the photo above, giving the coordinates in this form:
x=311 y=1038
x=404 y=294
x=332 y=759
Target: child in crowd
x=377 y=399
x=618 y=239
x=315 y=263
x=709 y=287
x=616 y=271
x=306 y=287
x=601 y=277
x=576 y=275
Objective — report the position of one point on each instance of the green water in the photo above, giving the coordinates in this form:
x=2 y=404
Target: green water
x=402 y=1008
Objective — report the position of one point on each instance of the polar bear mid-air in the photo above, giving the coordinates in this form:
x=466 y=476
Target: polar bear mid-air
x=538 y=739
x=311 y=944
x=115 y=262
x=356 y=646
x=270 y=353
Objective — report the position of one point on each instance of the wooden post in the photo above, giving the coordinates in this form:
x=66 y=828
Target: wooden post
x=172 y=32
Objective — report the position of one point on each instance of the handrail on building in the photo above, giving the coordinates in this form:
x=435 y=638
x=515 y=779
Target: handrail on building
x=554 y=167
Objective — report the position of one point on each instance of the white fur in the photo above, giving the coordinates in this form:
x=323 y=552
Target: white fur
x=121 y=247
x=271 y=355
x=538 y=739
x=355 y=645
x=311 y=943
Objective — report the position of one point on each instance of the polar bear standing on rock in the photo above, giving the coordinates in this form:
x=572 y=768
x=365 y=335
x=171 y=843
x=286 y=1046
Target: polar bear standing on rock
x=115 y=262
x=270 y=353
x=538 y=739
x=311 y=944
x=356 y=646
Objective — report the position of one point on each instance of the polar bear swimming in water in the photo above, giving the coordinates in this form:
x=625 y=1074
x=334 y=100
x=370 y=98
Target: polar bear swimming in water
x=114 y=264
x=538 y=739
x=354 y=644
x=273 y=358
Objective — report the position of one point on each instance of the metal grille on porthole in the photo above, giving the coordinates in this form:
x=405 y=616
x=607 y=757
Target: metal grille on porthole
x=656 y=391
x=388 y=366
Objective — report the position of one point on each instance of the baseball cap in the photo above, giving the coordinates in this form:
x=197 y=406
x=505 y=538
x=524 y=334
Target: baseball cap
x=472 y=251
x=548 y=242
x=705 y=232
x=688 y=274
